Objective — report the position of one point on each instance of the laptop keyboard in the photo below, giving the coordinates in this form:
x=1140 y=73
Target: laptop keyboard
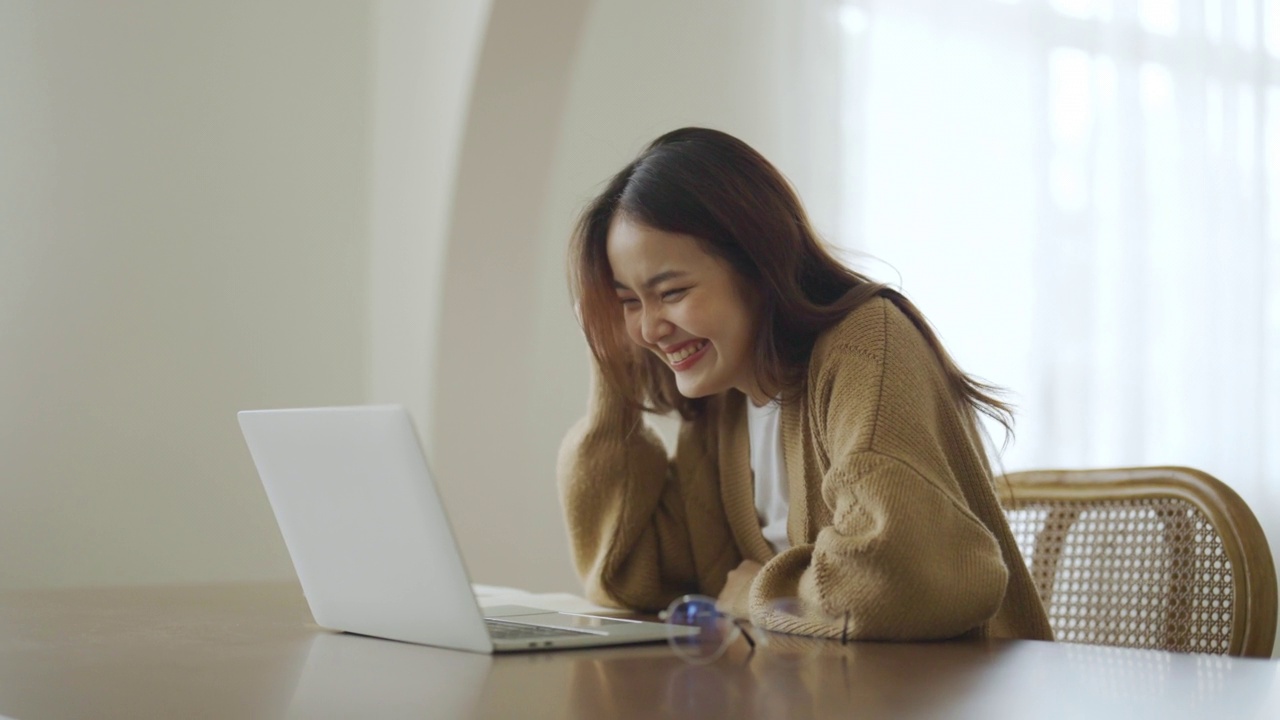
x=499 y=630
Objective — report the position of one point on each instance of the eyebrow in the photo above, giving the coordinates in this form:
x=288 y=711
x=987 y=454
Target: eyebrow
x=654 y=281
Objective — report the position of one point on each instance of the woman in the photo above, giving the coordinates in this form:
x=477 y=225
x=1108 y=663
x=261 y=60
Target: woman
x=829 y=449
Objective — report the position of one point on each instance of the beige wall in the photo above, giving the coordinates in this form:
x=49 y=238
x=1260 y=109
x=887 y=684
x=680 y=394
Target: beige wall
x=182 y=234
x=206 y=207
x=203 y=207
x=424 y=61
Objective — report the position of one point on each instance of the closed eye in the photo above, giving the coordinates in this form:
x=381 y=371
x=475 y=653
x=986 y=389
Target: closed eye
x=672 y=295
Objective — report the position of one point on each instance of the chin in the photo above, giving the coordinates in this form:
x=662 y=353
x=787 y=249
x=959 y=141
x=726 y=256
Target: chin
x=696 y=390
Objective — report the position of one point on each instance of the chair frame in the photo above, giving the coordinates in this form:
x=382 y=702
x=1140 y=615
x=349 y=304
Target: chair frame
x=1253 y=572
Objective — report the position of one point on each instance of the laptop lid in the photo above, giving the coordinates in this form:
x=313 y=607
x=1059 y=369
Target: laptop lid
x=364 y=524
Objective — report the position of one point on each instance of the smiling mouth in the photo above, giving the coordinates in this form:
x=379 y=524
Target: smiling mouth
x=681 y=358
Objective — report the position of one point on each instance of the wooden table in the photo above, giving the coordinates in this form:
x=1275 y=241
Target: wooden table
x=251 y=651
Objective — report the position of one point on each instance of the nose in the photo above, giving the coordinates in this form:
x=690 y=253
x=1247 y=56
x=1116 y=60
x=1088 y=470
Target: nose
x=653 y=324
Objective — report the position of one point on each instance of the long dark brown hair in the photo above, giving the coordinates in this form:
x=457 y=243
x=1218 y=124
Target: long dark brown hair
x=715 y=188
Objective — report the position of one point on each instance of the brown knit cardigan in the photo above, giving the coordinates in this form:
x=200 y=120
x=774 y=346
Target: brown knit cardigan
x=895 y=529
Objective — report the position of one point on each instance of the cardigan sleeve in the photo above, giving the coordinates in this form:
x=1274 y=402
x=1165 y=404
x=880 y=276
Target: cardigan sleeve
x=624 y=508
x=902 y=556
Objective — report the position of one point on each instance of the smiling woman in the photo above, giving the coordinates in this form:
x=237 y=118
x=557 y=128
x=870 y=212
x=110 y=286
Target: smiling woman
x=811 y=399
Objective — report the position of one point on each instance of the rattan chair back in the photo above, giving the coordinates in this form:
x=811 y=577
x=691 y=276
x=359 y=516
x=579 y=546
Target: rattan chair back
x=1158 y=557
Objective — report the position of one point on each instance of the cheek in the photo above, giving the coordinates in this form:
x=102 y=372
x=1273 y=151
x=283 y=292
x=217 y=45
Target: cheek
x=740 y=331
x=631 y=323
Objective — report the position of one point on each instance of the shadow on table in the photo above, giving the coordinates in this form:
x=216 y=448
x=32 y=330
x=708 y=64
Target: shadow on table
x=793 y=677
x=797 y=677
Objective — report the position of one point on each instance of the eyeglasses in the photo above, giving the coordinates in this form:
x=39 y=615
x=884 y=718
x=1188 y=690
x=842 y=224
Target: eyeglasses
x=717 y=631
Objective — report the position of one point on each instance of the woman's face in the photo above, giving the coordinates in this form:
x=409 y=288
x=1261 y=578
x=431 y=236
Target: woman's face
x=686 y=306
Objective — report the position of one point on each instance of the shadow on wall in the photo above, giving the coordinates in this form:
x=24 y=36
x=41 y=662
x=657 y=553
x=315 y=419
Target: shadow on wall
x=492 y=464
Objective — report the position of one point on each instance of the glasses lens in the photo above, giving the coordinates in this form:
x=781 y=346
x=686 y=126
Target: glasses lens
x=697 y=631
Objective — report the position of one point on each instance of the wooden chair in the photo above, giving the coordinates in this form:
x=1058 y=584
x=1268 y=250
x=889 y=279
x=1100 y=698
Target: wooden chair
x=1155 y=557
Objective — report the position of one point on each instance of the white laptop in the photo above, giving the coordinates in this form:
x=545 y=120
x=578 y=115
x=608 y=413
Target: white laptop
x=372 y=544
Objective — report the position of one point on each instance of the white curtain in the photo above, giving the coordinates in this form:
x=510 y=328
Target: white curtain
x=1084 y=198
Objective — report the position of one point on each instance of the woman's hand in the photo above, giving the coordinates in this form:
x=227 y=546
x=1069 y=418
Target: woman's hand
x=733 y=598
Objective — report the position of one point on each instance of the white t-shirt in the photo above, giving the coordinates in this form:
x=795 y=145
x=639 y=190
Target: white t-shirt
x=770 y=472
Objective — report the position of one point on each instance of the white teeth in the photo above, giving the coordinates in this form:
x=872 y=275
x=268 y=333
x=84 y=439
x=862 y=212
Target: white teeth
x=685 y=352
